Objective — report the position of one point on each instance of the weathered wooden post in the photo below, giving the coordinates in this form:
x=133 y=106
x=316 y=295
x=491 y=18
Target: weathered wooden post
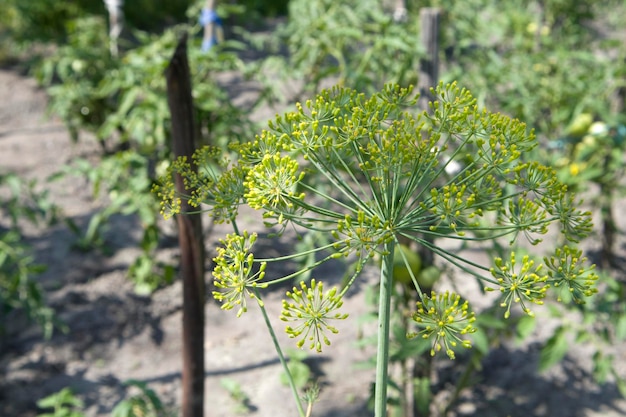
x=607 y=193
x=189 y=234
x=428 y=75
x=429 y=65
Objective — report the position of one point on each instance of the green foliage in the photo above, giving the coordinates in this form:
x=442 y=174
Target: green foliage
x=79 y=66
x=300 y=371
x=123 y=102
x=146 y=272
x=555 y=349
x=44 y=20
x=593 y=156
x=537 y=61
x=145 y=403
x=18 y=287
x=63 y=403
x=264 y=8
x=354 y=42
x=154 y=15
x=241 y=399
x=23 y=202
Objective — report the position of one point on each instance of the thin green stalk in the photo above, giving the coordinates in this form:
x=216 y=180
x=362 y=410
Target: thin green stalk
x=384 y=318
x=463 y=381
x=233 y=221
x=281 y=357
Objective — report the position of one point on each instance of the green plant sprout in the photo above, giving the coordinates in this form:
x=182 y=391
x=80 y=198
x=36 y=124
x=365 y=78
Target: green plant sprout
x=63 y=403
x=242 y=402
x=396 y=174
x=144 y=403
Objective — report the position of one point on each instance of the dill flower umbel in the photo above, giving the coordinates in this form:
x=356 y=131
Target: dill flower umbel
x=519 y=286
x=566 y=270
x=445 y=319
x=234 y=275
x=312 y=310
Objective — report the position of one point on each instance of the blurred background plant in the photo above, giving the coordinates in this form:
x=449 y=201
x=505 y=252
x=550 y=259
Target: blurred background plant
x=20 y=204
x=540 y=61
x=140 y=401
x=122 y=102
x=352 y=43
x=63 y=403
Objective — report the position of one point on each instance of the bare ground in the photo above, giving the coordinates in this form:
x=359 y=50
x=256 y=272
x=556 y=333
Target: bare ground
x=115 y=335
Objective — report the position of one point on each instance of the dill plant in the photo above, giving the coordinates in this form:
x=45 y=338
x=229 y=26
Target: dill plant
x=396 y=174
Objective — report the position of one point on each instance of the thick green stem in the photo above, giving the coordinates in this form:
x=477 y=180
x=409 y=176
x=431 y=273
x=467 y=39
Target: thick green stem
x=283 y=361
x=384 y=312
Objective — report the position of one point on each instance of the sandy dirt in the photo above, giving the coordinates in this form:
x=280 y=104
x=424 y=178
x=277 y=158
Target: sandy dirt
x=115 y=335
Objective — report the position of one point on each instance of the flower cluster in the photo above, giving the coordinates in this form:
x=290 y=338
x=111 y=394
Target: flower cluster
x=453 y=206
x=228 y=194
x=525 y=216
x=206 y=181
x=575 y=224
x=519 y=286
x=234 y=275
x=362 y=172
x=566 y=269
x=271 y=185
x=445 y=319
x=313 y=310
x=169 y=201
x=363 y=235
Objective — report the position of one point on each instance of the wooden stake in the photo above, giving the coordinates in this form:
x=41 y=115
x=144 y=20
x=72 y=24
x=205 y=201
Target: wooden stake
x=429 y=66
x=189 y=234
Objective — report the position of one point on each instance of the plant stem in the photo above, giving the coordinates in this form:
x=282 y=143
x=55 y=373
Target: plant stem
x=464 y=380
x=384 y=313
x=281 y=357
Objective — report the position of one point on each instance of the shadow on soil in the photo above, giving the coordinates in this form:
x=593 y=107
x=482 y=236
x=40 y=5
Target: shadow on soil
x=510 y=385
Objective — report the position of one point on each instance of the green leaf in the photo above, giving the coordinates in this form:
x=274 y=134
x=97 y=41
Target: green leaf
x=525 y=326
x=620 y=327
x=480 y=341
x=583 y=336
x=405 y=347
x=143 y=288
x=296 y=354
x=150 y=240
x=300 y=372
x=491 y=321
x=555 y=349
x=621 y=383
x=230 y=385
x=123 y=409
x=602 y=366
x=423 y=394
x=63 y=403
